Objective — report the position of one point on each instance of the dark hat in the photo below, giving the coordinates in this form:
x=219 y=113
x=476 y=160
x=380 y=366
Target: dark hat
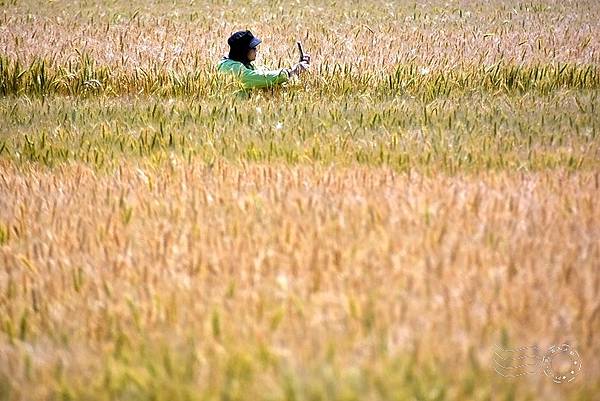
x=243 y=40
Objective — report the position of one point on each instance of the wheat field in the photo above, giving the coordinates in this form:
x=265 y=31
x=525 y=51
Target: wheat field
x=427 y=193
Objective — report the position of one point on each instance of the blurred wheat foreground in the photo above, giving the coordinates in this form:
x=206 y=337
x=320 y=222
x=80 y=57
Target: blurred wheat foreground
x=372 y=232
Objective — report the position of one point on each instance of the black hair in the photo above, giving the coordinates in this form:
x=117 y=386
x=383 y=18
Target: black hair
x=241 y=55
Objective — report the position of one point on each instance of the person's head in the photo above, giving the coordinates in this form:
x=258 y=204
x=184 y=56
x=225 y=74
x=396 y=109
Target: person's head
x=242 y=46
x=252 y=54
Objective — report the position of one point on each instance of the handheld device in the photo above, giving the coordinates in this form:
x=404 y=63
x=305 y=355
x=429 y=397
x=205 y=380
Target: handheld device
x=300 y=50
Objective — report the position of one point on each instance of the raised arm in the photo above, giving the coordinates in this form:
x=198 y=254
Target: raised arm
x=262 y=78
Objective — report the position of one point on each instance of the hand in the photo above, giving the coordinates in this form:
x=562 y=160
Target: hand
x=299 y=68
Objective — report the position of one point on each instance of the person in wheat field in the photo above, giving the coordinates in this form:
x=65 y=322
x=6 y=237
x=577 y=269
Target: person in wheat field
x=242 y=52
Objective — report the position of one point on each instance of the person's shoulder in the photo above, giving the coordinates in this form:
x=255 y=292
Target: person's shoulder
x=228 y=64
x=222 y=62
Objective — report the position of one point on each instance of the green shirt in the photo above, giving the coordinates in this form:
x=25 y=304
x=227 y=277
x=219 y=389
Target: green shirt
x=253 y=78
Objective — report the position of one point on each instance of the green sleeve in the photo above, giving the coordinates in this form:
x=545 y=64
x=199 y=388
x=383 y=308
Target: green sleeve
x=261 y=78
